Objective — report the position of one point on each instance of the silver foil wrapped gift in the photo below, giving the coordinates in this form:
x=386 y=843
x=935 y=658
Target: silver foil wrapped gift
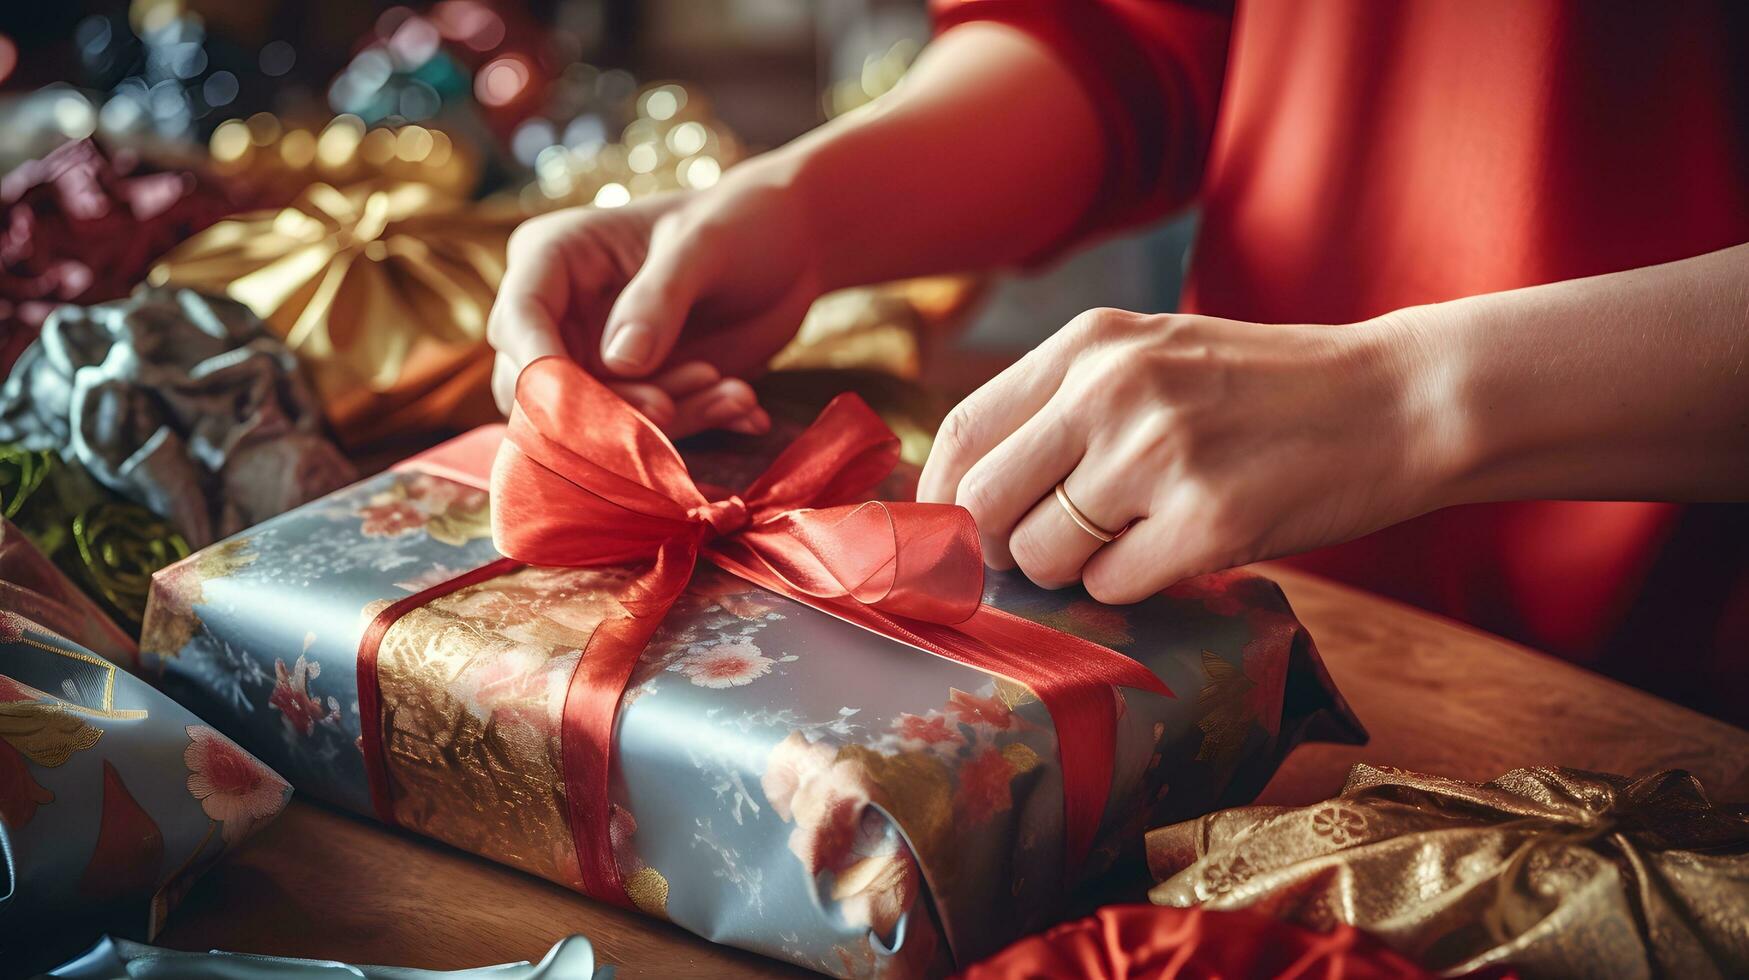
x=184 y=403
x=784 y=781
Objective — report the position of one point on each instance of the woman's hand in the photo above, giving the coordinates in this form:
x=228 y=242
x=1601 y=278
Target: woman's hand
x=1215 y=442
x=988 y=153
x=615 y=288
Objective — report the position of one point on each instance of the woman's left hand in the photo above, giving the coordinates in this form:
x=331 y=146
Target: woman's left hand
x=1214 y=442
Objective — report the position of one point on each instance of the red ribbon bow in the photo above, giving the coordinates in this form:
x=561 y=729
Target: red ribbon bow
x=584 y=480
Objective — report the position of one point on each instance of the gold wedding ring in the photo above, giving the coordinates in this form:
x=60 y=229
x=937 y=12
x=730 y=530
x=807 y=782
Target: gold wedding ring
x=1081 y=520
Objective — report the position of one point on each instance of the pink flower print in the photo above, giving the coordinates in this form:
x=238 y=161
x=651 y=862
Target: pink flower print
x=925 y=730
x=731 y=664
x=434 y=494
x=233 y=787
x=983 y=786
x=391 y=519
x=291 y=695
x=793 y=761
x=824 y=797
x=878 y=880
x=974 y=710
x=1222 y=593
x=514 y=684
x=875 y=879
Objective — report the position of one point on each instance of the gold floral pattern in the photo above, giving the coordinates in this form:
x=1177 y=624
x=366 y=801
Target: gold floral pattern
x=473 y=686
x=1548 y=872
x=1342 y=826
x=39 y=726
x=1223 y=713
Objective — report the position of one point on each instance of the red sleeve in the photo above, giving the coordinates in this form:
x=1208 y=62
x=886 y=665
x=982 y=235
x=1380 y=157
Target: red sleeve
x=1153 y=71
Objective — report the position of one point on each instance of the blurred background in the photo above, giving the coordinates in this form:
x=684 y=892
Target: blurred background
x=552 y=102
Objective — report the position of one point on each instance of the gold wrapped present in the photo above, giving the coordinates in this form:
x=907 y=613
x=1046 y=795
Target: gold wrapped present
x=1553 y=872
x=382 y=290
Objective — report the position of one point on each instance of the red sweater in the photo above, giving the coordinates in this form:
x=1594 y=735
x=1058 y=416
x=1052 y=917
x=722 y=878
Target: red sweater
x=1354 y=157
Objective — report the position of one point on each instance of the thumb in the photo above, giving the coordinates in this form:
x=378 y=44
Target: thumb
x=646 y=319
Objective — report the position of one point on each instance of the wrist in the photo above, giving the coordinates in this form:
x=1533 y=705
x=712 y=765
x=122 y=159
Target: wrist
x=1441 y=447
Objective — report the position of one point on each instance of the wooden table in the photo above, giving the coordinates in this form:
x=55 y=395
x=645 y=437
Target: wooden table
x=1438 y=697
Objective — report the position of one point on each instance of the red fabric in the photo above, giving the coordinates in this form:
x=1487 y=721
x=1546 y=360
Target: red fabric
x=1366 y=157
x=581 y=479
x=1151 y=942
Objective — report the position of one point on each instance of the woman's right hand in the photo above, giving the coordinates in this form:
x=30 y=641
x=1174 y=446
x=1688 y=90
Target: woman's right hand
x=672 y=300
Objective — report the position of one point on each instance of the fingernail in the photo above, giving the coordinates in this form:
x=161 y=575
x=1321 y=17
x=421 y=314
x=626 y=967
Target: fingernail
x=723 y=407
x=629 y=347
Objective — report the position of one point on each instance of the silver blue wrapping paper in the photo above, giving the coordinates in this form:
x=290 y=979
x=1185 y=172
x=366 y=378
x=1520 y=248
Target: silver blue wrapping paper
x=785 y=782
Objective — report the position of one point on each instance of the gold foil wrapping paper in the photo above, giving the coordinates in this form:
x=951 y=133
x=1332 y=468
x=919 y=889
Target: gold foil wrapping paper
x=473 y=686
x=1553 y=872
x=382 y=290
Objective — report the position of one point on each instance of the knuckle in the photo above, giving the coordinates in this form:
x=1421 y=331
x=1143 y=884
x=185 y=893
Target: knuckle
x=977 y=494
x=1102 y=321
x=953 y=440
x=531 y=235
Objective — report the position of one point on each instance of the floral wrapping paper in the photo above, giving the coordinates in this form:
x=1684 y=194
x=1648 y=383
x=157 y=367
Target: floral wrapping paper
x=113 y=798
x=1549 y=872
x=785 y=782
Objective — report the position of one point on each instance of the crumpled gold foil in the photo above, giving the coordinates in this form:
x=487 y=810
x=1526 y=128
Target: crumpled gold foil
x=381 y=289
x=1555 y=872
x=889 y=327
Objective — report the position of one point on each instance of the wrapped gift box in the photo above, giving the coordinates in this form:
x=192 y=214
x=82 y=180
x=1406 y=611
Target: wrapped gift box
x=784 y=781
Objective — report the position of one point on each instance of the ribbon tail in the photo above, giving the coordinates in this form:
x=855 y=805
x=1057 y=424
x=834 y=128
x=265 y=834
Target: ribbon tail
x=592 y=708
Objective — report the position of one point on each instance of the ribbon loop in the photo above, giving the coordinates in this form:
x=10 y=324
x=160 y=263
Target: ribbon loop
x=582 y=479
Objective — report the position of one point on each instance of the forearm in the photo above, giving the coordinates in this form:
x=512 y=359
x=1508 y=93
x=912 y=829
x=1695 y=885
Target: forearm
x=1630 y=386
x=988 y=152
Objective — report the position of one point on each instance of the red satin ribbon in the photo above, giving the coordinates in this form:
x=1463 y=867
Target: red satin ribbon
x=584 y=480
